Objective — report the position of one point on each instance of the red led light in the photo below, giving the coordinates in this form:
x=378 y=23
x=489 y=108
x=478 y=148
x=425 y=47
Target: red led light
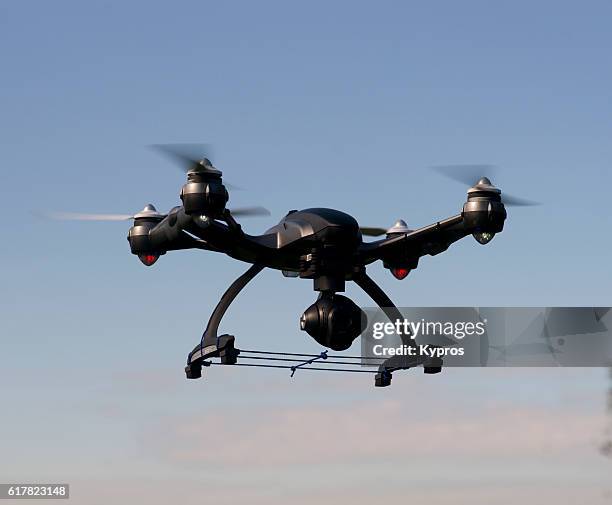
x=400 y=273
x=148 y=259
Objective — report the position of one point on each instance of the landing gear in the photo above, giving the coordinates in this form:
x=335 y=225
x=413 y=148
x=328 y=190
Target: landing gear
x=383 y=377
x=222 y=346
x=227 y=351
x=193 y=371
x=224 y=349
x=432 y=366
x=331 y=317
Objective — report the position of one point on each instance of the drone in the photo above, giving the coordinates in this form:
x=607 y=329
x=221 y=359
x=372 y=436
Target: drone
x=320 y=244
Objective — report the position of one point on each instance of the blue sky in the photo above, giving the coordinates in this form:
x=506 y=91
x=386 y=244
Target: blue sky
x=339 y=104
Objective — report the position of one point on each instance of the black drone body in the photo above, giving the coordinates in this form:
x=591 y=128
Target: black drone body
x=324 y=245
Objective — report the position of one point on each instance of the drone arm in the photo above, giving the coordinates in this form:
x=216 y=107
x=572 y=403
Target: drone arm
x=179 y=230
x=170 y=234
x=432 y=240
x=231 y=240
x=483 y=215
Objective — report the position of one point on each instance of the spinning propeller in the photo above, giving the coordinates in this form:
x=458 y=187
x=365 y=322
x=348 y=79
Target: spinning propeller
x=475 y=175
x=148 y=211
x=400 y=226
x=193 y=159
x=190 y=157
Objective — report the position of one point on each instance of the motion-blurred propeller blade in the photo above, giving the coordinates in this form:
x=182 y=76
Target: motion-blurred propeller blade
x=513 y=201
x=398 y=228
x=77 y=216
x=149 y=211
x=471 y=174
x=373 y=231
x=191 y=156
x=250 y=211
x=187 y=156
x=466 y=174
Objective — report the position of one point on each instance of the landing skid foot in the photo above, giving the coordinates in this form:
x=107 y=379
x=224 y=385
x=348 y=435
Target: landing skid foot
x=382 y=379
x=223 y=348
x=432 y=366
x=193 y=371
x=229 y=354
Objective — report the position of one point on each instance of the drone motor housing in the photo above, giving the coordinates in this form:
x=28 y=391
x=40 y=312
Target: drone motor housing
x=204 y=193
x=334 y=321
x=484 y=211
x=140 y=241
